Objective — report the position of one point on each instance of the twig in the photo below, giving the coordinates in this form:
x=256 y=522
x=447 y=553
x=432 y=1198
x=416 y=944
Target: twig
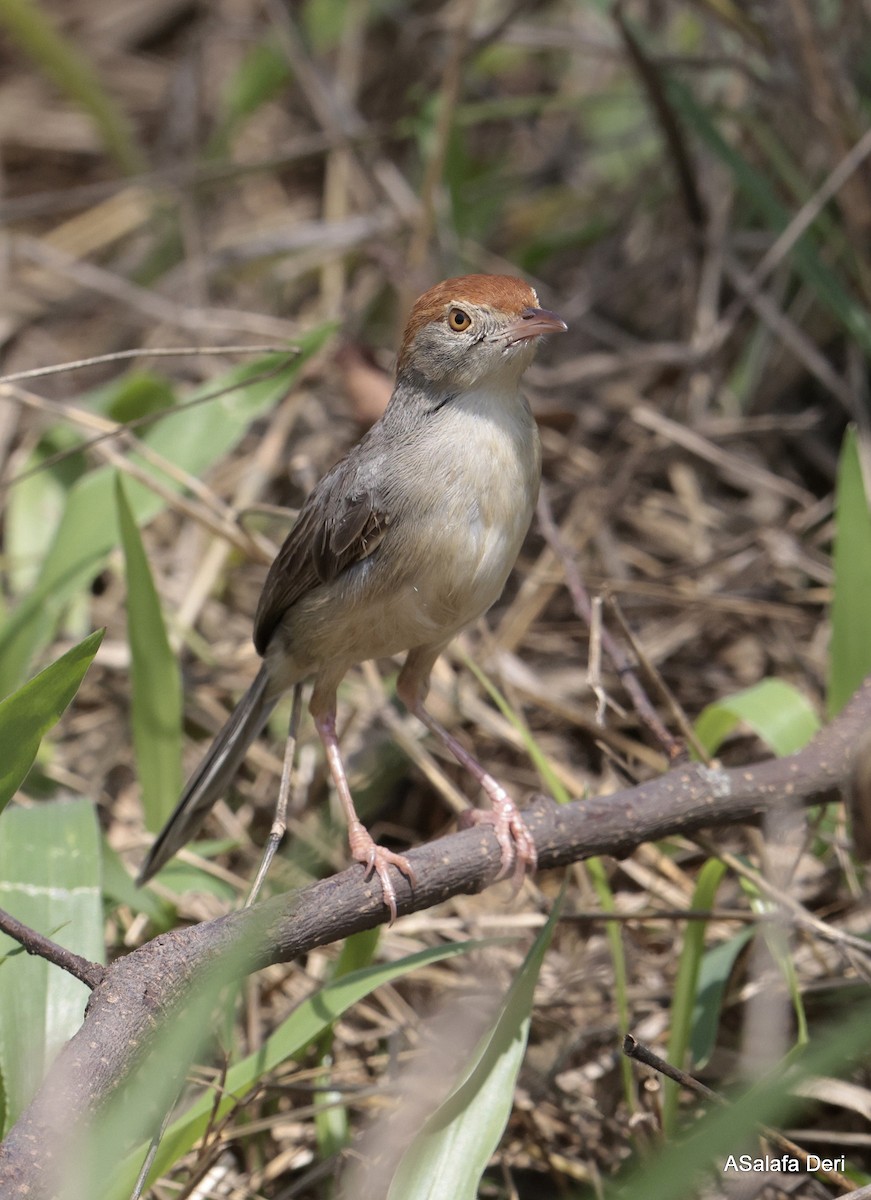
x=90 y=973
x=632 y=1048
x=150 y=304
x=658 y=682
x=746 y=474
x=651 y=81
x=209 y=511
x=113 y=429
x=638 y=1051
x=77 y=364
x=584 y=609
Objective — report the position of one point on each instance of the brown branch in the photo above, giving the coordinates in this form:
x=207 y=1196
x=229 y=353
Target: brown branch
x=584 y=608
x=664 y=112
x=88 y=972
x=140 y=993
x=642 y=1053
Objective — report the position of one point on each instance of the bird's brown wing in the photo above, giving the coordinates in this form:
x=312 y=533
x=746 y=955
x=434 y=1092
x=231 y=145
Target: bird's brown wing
x=342 y=522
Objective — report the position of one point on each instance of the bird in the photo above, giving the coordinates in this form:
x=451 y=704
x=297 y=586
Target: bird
x=403 y=543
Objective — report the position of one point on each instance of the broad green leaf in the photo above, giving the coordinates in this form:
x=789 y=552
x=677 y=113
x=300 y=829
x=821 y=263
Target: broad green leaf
x=686 y=983
x=446 y=1160
x=155 y=678
x=307 y=1022
x=134 y=396
x=192 y=437
x=776 y=712
x=50 y=880
x=75 y=556
x=357 y=952
x=713 y=979
x=850 y=656
x=26 y=716
x=179 y=876
x=32 y=510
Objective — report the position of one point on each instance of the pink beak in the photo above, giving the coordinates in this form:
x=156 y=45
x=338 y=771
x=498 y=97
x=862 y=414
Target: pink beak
x=532 y=323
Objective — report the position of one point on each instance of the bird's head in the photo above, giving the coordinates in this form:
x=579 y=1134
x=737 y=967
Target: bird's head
x=465 y=332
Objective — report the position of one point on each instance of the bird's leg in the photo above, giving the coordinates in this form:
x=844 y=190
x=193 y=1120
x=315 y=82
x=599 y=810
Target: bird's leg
x=364 y=849
x=515 y=841
x=279 y=821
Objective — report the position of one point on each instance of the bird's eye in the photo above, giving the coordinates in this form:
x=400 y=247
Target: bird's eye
x=458 y=320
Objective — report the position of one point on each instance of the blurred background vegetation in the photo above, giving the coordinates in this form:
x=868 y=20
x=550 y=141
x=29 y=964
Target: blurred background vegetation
x=689 y=186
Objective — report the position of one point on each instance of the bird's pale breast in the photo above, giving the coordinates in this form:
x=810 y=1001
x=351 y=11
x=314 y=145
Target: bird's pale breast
x=466 y=503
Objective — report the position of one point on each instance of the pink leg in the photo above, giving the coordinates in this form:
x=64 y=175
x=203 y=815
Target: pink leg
x=375 y=858
x=515 y=841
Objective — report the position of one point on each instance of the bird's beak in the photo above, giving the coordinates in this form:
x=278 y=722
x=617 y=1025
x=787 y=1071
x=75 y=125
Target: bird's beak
x=533 y=323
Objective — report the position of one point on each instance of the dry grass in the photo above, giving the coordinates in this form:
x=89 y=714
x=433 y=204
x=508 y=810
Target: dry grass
x=691 y=425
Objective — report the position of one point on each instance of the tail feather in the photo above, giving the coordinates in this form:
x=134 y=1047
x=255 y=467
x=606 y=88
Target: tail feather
x=213 y=776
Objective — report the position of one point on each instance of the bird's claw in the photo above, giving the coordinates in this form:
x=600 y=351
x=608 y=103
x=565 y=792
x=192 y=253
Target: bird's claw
x=376 y=859
x=516 y=848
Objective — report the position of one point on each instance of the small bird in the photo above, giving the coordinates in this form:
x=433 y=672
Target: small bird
x=407 y=540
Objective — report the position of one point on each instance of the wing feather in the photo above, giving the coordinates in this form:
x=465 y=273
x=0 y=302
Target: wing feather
x=342 y=522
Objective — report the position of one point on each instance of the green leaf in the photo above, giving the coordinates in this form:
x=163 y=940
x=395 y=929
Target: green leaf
x=713 y=979
x=850 y=656
x=27 y=715
x=32 y=511
x=776 y=712
x=686 y=983
x=781 y=952
x=134 y=396
x=332 y=1123
x=155 y=677
x=446 y=1160
x=357 y=952
x=323 y=21
x=50 y=878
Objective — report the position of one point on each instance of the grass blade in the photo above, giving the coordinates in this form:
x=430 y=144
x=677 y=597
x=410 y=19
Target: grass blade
x=26 y=716
x=448 y=1157
x=156 y=701
x=50 y=875
x=851 y=616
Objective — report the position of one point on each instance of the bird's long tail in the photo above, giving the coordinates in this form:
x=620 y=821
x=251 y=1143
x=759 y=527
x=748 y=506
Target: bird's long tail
x=213 y=776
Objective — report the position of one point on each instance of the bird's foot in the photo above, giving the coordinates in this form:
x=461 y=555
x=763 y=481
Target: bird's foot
x=517 y=849
x=376 y=859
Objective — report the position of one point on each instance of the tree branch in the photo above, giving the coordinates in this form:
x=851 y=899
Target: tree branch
x=88 y=972
x=139 y=993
